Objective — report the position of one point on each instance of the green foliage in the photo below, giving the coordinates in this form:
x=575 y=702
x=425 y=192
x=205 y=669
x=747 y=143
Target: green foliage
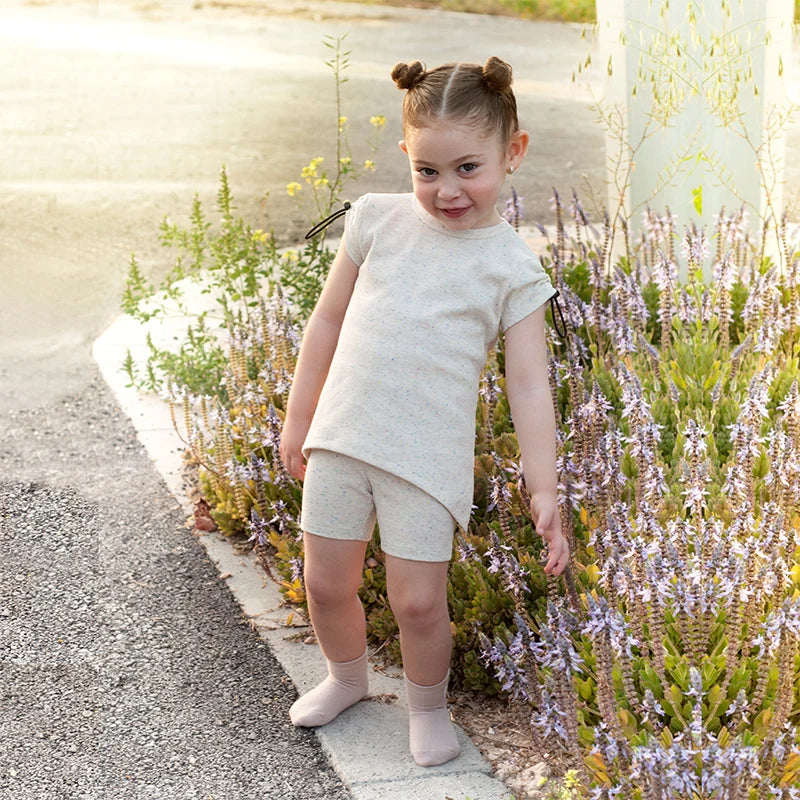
x=229 y=264
x=234 y=265
x=303 y=274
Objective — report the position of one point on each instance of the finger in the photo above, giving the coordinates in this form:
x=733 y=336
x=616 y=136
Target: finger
x=558 y=559
x=298 y=470
x=293 y=468
x=563 y=560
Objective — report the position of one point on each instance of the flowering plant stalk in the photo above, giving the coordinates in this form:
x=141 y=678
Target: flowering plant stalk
x=669 y=667
x=321 y=189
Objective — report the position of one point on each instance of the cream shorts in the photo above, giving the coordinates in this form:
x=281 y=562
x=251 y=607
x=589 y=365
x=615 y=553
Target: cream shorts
x=343 y=497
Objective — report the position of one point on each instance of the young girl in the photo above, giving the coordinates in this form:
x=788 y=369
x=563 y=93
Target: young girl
x=384 y=395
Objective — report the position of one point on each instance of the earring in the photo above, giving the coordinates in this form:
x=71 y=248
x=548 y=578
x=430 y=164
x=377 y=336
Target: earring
x=510 y=171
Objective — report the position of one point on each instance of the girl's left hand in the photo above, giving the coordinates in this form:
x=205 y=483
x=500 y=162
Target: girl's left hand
x=547 y=520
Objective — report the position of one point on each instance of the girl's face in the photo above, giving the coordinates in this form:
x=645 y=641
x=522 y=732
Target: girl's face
x=458 y=171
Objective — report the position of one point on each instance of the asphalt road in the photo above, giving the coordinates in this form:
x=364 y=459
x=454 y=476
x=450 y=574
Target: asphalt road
x=127 y=670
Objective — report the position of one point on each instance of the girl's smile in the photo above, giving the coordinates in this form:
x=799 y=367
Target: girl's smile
x=458 y=171
x=455 y=213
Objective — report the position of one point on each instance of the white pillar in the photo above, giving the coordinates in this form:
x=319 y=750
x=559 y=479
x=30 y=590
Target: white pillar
x=703 y=81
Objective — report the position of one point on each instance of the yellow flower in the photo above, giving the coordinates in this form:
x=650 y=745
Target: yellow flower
x=320 y=182
x=292 y=188
x=345 y=161
x=378 y=121
x=342 y=123
x=260 y=236
x=310 y=171
x=370 y=165
x=291 y=256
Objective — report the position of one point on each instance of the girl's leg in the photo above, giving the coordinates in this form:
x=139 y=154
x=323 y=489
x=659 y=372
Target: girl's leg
x=333 y=571
x=418 y=596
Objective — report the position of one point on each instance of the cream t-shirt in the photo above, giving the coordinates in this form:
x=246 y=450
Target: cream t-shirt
x=427 y=306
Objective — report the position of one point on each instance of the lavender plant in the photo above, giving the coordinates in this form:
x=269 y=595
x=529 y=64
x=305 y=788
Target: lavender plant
x=668 y=668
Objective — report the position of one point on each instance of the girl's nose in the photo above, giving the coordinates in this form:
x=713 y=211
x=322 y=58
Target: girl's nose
x=448 y=189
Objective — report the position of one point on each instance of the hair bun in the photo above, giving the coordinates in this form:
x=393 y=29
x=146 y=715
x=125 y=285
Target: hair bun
x=497 y=74
x=406 y=76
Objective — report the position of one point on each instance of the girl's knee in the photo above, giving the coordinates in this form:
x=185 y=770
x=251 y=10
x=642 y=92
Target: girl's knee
x=326 y=590
x=417 y=591
x=418 y=609
x=332 y=570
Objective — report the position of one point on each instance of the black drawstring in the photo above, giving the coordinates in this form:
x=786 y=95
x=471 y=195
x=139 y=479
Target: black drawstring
x=320 y=226
x=554 y=306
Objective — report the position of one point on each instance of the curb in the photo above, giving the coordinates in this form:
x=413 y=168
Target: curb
x=367 y=745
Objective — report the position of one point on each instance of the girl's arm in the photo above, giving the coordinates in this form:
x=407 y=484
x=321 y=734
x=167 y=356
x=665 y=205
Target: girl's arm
x=316 y=351
x=528 y=389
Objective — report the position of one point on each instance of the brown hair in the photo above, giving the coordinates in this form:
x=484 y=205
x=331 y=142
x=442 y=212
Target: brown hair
x=477 y=95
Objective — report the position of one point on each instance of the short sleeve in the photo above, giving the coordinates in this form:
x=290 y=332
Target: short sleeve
x=530 y=289
x=354 y=239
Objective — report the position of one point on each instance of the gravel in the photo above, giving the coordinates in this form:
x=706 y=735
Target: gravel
x=126 y=668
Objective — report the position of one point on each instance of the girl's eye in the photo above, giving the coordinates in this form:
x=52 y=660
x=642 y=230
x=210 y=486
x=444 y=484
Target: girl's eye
x=427 y=172
x=468 y=167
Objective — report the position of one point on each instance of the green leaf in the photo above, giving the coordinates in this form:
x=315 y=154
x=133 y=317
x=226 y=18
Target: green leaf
x=697 y=199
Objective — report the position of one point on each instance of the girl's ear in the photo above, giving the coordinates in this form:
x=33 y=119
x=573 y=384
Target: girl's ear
x=517 y=148
x=402 y=145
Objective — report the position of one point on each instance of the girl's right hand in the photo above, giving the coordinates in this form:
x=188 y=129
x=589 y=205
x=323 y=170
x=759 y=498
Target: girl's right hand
x=292 y=437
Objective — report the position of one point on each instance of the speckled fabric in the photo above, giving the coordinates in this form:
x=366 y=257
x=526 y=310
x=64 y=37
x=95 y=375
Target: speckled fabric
x=427 y=306
x=343 y=497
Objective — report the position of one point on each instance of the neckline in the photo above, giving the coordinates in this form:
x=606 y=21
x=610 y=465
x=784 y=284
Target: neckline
x=469 y=233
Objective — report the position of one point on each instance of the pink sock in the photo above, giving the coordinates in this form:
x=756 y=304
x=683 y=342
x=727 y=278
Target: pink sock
x=432 y=737
x=346 y=684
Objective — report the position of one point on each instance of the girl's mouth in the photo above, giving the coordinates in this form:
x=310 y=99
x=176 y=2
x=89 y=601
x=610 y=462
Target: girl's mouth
x=454 y=213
